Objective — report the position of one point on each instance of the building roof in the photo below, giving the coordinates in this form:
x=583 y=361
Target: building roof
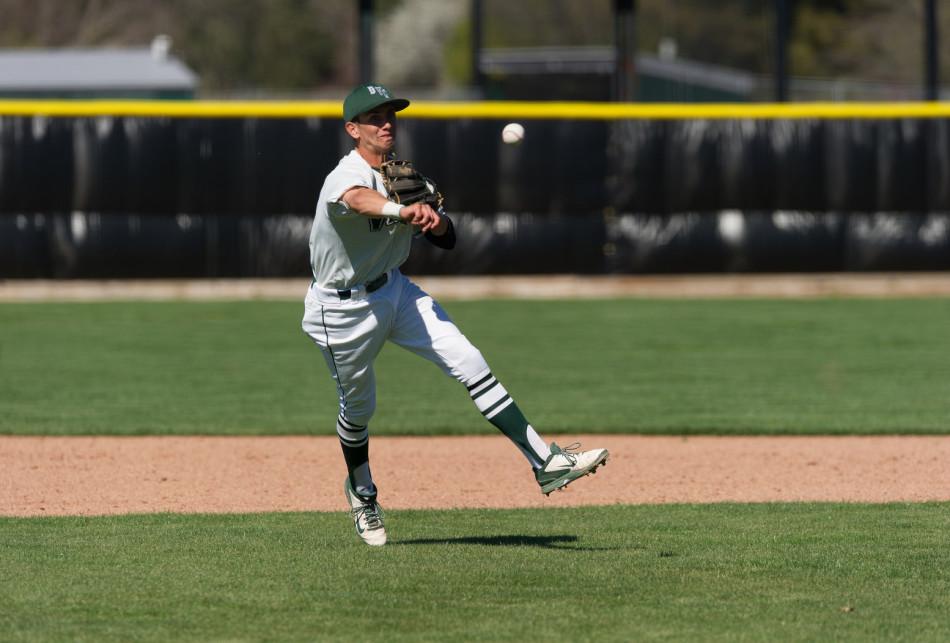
x=46 y=70
x=602 y=60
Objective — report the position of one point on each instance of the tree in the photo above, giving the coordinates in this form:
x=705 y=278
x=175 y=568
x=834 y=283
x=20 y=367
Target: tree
x=301 y=45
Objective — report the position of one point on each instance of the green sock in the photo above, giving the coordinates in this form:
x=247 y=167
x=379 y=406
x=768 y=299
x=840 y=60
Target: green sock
x=496 y=405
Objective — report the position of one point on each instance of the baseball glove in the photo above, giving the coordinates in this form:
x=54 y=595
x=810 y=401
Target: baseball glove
x=407 y=186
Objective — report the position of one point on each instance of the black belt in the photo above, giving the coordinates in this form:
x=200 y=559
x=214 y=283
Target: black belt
x=371 y=286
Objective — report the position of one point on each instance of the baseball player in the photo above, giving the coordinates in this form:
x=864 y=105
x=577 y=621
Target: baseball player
x=358 y=300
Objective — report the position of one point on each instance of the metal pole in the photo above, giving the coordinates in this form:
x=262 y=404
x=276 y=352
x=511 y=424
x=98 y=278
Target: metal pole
x=782 y=30
x=478 y=81
x=624 y=81
x=932 y=61
x=366 y=41
x=931 y=174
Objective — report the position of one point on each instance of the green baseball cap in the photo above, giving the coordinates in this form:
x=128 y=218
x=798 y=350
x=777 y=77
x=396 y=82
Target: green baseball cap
x=366 y=97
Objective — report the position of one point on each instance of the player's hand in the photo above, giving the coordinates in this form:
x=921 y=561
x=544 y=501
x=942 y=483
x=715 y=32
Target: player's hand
x=421 y=215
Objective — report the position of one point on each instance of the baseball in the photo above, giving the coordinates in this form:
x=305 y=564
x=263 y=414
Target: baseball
x=512 y=133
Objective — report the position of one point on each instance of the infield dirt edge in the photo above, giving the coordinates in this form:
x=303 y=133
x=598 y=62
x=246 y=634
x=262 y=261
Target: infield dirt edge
x=46 y=476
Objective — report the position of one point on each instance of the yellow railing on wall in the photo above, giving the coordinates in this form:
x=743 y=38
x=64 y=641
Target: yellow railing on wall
x=488 y=109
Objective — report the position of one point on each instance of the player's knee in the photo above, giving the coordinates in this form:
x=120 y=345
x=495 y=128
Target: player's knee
x=359 y=412
x=471 y=365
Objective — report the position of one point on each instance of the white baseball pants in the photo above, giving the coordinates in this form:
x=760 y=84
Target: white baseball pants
x=351 y=332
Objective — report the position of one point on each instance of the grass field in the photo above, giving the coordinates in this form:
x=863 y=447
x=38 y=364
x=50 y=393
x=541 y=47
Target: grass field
x=717 y=572
x=714 y=572
x=644 y=366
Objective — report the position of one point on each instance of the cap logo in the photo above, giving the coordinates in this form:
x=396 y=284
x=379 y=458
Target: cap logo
x=376 y=89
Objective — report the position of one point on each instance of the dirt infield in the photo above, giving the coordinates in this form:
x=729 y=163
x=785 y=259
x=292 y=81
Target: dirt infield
x=46 y=476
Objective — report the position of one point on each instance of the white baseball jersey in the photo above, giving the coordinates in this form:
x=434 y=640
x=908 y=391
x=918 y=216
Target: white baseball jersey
x=346 y=248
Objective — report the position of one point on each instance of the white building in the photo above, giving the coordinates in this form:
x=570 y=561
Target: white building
x=145 y=72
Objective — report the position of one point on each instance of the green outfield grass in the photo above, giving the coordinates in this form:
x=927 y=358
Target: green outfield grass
x=644 y=366
x=792 y=572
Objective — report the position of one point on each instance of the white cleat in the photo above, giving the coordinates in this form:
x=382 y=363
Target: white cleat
x=564 y=466
x=367 y=516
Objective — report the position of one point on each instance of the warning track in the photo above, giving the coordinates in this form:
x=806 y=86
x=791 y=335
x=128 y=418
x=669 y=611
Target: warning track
x=515 y=287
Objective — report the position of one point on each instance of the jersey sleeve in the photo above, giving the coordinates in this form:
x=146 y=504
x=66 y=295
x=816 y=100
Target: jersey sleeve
x=340 y=182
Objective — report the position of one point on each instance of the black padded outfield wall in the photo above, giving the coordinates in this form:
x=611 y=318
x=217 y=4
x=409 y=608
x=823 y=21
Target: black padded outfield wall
x=158 y=196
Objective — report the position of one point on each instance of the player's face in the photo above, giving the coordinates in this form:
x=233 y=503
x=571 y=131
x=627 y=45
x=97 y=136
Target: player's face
x=377 y=128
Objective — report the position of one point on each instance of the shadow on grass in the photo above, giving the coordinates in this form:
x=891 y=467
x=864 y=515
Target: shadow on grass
x=547 y=542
